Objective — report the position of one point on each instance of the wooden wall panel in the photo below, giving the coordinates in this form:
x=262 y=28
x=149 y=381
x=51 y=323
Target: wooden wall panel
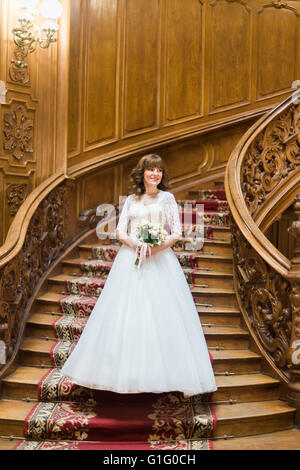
x=151 y=70
x=278 y=48
x=183 y=59
x=101 y=73
x=230 y=52
x=96 y=187
x=75 y=81
x=141 y=65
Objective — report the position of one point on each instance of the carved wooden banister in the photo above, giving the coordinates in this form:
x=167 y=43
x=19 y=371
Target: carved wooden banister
x=262 y=179
x=294 y=279
x=44 y=227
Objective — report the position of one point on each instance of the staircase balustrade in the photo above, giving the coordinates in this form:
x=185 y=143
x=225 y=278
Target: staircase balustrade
x=263 y=179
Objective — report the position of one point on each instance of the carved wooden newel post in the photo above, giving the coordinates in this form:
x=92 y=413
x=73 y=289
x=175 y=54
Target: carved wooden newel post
x=293 y=394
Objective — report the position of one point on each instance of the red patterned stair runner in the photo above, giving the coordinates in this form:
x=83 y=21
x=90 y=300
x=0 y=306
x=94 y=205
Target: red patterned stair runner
x=157 y=421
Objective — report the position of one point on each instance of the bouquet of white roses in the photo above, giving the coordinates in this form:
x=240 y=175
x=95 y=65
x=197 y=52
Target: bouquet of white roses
x=149 y=234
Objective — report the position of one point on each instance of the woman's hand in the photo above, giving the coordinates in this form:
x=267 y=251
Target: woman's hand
x=156 y=249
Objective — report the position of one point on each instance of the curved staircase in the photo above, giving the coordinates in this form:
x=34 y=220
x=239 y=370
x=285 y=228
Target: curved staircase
x=41 y=410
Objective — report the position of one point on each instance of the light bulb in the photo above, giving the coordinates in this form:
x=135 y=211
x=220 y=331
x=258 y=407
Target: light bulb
x=27 y=4
x=51 y=9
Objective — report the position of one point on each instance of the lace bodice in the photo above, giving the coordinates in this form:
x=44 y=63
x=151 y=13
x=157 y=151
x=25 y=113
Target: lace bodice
x=162 y=210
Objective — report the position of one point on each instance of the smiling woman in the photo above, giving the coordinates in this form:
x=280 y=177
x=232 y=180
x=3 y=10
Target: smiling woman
x=144 y=342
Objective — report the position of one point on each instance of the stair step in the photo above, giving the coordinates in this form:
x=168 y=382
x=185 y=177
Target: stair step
x=218 y=232
x=237 y=361
x=213 y=262
x=41 y=325
x=37 y=349
x=73 y=265
x=246 y=388
x=214 y=296
x=36 y=352
x=226 y=337
x=208 y=278
x=207 y=262
x=12 y=417
x=244 y=419
x=211 y=279
x=281 y=440
x=240 y=419
x=48 y=302
x=209 y=245
x=208 y=194
x=7 y=444
x=218 y=316
x=24 y=381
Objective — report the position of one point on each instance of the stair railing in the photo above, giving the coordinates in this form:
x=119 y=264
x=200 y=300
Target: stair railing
x=45 y=226
x=262 y=179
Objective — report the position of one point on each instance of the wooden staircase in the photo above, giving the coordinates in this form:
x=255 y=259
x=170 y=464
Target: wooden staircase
x=247 y=404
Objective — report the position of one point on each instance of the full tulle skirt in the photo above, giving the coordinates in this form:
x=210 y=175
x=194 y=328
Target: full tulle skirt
x=144 y=333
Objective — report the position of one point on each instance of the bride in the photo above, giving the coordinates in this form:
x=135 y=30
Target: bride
x=144 y=333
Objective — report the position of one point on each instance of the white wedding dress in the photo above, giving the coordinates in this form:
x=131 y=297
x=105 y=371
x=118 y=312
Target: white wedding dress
x=144 y=333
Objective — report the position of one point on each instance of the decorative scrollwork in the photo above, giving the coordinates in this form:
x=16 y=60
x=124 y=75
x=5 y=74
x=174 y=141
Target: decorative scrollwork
x=264 y=295
x=44 y=242
x=15 y=196
x=273 y=154
x=19 y=70
x=52 y=228
x=18 y=133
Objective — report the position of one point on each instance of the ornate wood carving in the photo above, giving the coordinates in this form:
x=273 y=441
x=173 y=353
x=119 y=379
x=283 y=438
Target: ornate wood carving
x=18 y=133
x=273 y=154
x=52 y=228
x=44 y=241
x=263 y=293
x=294 y=278
x=15 y=196
x=16 y=73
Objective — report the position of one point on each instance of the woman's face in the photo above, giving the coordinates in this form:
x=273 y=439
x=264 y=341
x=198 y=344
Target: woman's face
x=153 y=176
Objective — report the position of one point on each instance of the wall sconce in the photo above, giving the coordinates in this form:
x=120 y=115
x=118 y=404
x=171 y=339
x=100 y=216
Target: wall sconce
x=28 y=35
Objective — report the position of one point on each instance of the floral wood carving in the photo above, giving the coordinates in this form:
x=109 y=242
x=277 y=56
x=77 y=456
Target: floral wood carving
x=17 y=73
x=52 y=228
x=15 y=196
x=273 y=154
x=43 y=243
x=264 y=296
x=18 y=133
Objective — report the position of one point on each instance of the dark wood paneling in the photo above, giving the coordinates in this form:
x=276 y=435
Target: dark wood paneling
x=142 y=56
x=156 y=69
x=101 y=71
x=75 y=82
x=277 y=50
x=230 y=53
x=183 y=59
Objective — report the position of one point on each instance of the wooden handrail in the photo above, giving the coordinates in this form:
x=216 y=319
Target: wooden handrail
x=263 y=171
x=235 y=196
x=45 y=226
x=16 y=234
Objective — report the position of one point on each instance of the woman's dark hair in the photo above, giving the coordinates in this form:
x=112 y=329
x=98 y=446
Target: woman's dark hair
x=137 y=174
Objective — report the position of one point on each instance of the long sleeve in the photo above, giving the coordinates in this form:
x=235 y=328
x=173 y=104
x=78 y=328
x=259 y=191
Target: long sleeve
x=124 y=217
x=172 y=215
